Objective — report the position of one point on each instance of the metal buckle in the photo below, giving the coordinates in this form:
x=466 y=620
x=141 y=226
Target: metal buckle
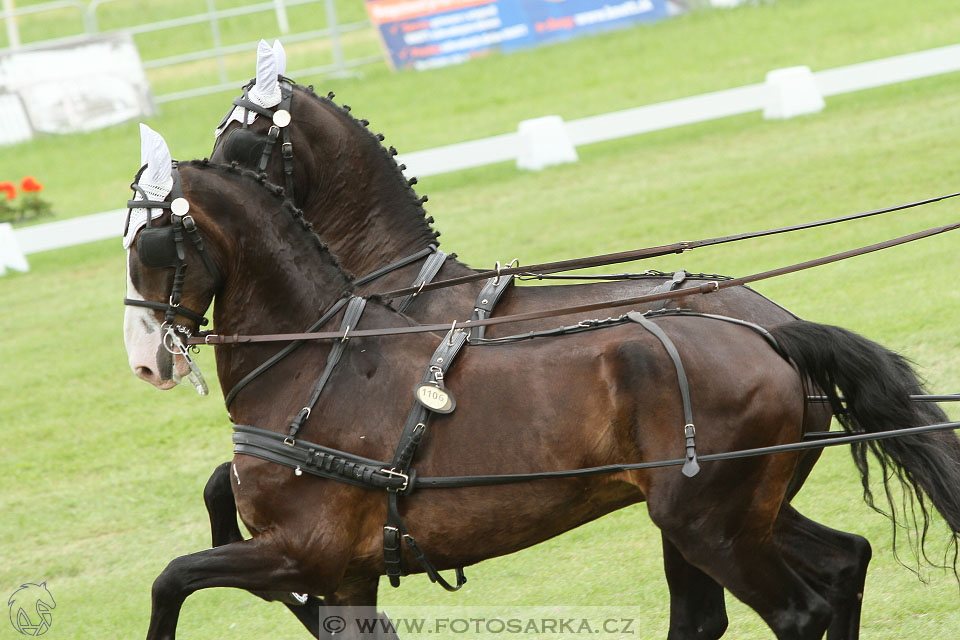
x=286 y=149
x=689 y=431
x=393 y=473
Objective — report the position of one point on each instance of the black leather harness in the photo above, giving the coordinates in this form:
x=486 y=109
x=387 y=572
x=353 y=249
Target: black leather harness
x=280 y=116
x=398 y=477
x=162 y=247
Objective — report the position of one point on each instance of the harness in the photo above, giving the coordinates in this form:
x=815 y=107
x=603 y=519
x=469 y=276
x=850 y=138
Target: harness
x=280 y=117
x=397 y=477
x=162 y=247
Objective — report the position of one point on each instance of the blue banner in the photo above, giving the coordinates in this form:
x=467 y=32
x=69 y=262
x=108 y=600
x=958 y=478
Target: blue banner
x=422 y=34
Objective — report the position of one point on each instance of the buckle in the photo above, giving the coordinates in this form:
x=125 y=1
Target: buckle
x=689 y=431
x=287 y=150
x=393 y=473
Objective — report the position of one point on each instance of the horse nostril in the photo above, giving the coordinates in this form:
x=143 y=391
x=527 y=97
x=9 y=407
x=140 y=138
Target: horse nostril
x=146 y=373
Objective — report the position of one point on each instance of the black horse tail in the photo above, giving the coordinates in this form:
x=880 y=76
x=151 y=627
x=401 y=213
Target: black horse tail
x=869 y=389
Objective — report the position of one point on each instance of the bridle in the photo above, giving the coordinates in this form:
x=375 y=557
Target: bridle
x=162 y=247
x=280 y=116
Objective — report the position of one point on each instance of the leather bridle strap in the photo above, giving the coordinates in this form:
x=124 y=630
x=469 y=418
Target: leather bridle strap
x=286 y=96
x=650 y=252
x=705 y=288
x=180 y=223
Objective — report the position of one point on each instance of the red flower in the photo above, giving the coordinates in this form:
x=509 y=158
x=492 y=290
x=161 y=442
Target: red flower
x=9 y=189
x=29 y=184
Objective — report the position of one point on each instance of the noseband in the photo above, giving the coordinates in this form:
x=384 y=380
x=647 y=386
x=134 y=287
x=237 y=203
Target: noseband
x=280 y=116
x=161 y=247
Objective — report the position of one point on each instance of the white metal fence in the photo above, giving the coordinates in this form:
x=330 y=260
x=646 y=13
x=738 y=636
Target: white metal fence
x=629 y=122
x=88 y=20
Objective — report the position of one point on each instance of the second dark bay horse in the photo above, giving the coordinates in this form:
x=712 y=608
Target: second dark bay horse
x=619 y=403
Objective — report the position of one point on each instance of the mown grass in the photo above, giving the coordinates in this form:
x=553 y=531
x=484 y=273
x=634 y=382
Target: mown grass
x=101 y=475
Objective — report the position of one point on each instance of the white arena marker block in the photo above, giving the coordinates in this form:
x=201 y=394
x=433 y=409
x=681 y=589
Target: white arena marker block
x=544 y=142
x=791 y=92
x=10 y=253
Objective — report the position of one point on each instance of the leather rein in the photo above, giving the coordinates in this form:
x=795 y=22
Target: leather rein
x=708 y=287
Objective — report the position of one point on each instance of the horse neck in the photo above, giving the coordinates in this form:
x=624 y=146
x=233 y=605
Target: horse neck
x=361 y=205
x=280 y=281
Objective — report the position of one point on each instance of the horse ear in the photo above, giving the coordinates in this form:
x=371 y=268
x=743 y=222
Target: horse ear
x=156 y=155
x=281 y=57
x=267 y=70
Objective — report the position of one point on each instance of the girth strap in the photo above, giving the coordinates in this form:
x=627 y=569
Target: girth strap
x=413 y=431
x=488 y=298
x=690 y=467
x=350 y=319
x=431 y=266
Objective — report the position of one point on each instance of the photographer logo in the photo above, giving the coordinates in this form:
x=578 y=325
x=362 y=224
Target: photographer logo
x=30 y=607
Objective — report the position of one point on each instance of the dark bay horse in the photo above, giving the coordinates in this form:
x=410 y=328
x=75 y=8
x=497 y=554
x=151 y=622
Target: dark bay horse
x=353 y=192
x=620 y=403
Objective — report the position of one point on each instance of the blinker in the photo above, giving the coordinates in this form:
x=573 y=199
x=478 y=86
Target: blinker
x=158 y=248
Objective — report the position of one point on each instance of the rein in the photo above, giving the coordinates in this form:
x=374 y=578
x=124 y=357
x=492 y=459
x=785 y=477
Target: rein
x=709 y=287
x=532 y=271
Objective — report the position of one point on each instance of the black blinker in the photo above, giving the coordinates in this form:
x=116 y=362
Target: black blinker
x=158 y=248
x=244 y=147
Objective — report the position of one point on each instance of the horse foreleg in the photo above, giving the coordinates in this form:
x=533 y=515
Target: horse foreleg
x=222 y=510
x=697 y=608
x=355 y=599
x=254 y=565
x=833 y=562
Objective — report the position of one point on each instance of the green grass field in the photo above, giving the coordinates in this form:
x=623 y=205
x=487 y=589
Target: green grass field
x=101 y=474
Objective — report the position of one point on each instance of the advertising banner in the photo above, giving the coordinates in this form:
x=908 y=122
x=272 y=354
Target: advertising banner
x=422 y=34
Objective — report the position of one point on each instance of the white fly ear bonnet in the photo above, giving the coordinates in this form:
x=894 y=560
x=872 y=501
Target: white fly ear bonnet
x=156 y=180
x=271 y=64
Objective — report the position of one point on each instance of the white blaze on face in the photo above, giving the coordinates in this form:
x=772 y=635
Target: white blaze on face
x=142 y=337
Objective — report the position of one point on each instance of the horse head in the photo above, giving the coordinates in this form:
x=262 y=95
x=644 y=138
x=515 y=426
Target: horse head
x=339 y=172
x=203 y=229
